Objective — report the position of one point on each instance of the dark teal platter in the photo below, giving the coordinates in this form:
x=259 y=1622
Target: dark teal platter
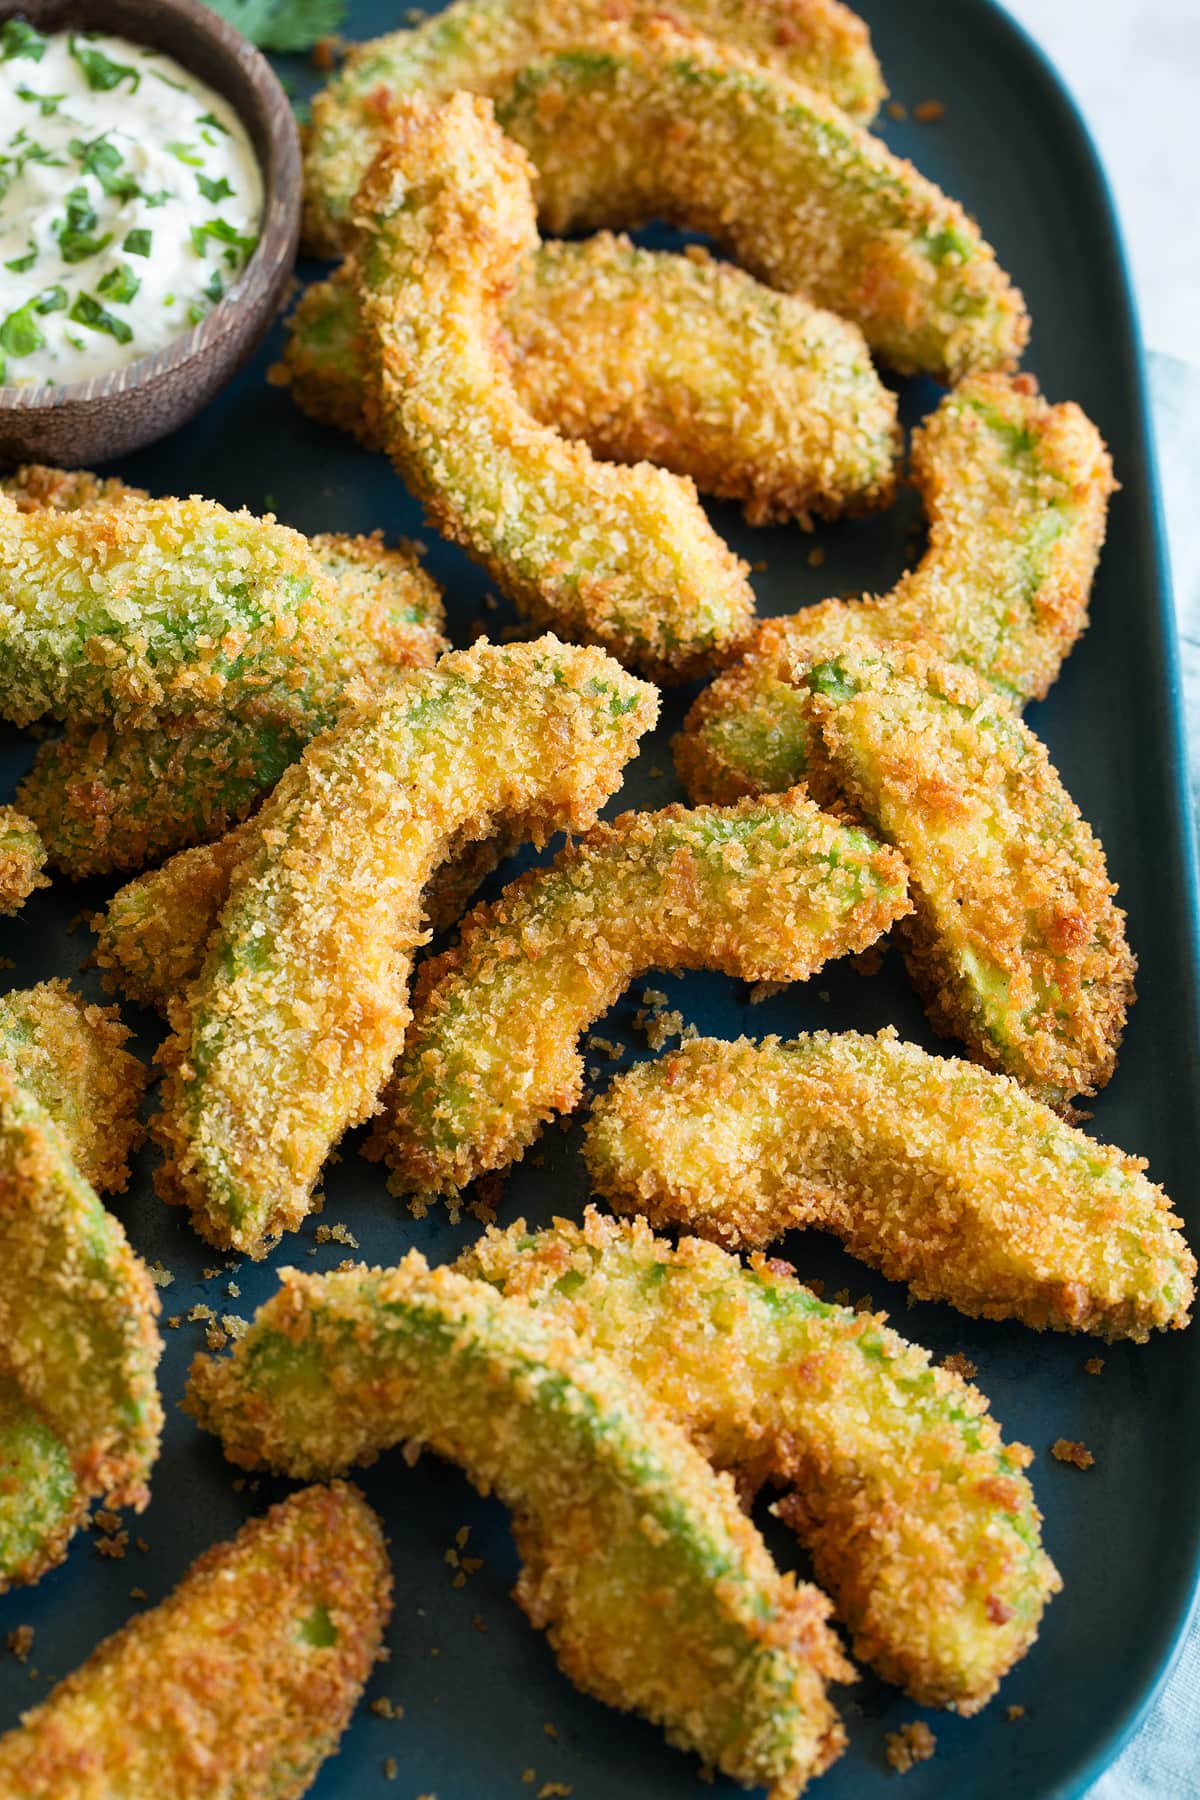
x=483 y=1700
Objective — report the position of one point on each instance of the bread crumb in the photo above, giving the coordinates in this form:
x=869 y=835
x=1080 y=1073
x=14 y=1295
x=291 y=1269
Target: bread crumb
x=1016 y=1712
x=383 y=1708
x=20 y=1642
x=765 y=990
x=958 y=1364
x=910 y=1745
x=1068 y=1450
x=555 y=1790
x=160 y=1276
x=897 y=109
x=1094 y=1364
x=816 y=557
x=550 y=1730
x=528 y=1775
x=928 y=112
x=336 y=1234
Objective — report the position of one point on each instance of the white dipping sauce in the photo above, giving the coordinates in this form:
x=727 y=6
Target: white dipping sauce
x=130 y=202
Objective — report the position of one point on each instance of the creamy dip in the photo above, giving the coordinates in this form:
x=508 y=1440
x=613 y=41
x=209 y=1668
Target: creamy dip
x=130 y=202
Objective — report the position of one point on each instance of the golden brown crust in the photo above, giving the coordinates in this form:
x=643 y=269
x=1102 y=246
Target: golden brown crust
x=238 y=1686
x=624 y=558
x=944 y=1175
x=287 y=1035
x=70 y=1054
x=767 y=890
x=683 y=361
x=1016 y=492
x=22 y=856
x=480 y=47
x=1015 y=942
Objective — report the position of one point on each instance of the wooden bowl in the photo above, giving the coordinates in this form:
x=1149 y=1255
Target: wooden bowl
x=85 y=422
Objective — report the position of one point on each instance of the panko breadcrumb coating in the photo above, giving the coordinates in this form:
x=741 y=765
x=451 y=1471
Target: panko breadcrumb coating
x=70 y=1055
x=38 y=487
x=941 y=1174
x=42 y=1504
x=478 y=45
x=290 y=1029
x=153 y=932
x=22 y=858
x=919 y=1519
x=238 y=1686
x=1015 y=942
x=767 y=890
x=151 y=606
x=655 y=1589
x=683 y=361
x=69 y=1060
x=1016 y=493
x=625 y=128
x=621 y=557
x=77 y=1307
x=117 y=796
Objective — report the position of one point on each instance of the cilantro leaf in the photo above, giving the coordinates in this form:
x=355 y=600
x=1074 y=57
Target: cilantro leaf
x=88 y=311
x=20 y=334
x=283 y=24
x=137 y=242
x=47 y=104
x=119 y=284
x=18 y=38
x=102 y=73
x=216 y=191
x=74 y=232
x=102 y=159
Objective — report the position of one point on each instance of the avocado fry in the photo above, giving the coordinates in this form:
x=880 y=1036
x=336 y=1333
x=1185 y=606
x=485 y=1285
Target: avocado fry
x=655 y=1589
x=767 y=890
x=236 y=1687
x=625 y=558
x=939 y=1173
x=291 y=1027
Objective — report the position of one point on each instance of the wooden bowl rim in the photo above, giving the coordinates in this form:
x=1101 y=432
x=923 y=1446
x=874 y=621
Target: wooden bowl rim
x=280 y=169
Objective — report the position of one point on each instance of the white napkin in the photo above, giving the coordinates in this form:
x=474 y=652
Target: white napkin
x=1163 y=1760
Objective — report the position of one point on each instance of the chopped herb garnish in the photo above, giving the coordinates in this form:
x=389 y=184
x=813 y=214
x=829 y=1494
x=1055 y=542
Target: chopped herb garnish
x=196 y=312
x=51 y=299
x=238 y=246
x=184 y=153
x=20 y=334
x=214 y=288
x=21 y=264
x=119 y=284
x=101 y=72
x=167 y=82
x=158 y=199
x=137 y=242
x=216 y=191
x=283 y=24
x=211 y=119
x=18 y=38
x=74 y=233
x=46 y=104
x=102 y=159
x=88 y=311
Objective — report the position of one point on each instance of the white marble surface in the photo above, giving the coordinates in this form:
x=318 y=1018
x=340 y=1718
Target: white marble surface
x=1134 y=68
